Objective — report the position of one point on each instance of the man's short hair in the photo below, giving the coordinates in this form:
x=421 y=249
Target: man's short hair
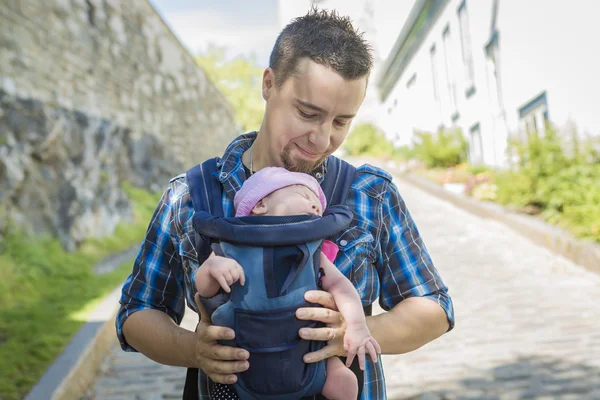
x=327 y=39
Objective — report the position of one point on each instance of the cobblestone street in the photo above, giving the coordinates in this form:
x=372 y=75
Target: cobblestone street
x=527 y=322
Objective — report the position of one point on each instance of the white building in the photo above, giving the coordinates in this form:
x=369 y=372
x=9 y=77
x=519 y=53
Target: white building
x=492 y=68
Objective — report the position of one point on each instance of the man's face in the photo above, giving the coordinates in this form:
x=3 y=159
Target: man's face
x=309 y=116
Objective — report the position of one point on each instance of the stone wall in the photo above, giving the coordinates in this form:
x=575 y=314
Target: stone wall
x=94 y=93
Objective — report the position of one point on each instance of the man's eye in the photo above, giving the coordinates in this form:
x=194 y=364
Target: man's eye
x=305 y=115
x=340 y=123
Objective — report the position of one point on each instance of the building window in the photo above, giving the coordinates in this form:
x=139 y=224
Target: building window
x=467 y=53
x=434 y=75
x=475 y=145
x=411 y=82
x=534 y=115
x=494 y=78
x=447 y=42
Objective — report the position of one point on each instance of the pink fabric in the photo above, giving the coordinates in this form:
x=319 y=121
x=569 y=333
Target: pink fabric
x=330 y=249
x=268 y=180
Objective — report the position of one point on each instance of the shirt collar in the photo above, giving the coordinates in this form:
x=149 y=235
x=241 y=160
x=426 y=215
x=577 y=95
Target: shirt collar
x=231 y=170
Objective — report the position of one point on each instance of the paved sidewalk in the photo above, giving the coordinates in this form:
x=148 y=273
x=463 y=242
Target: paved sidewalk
x=132 y=376
x=528 y=322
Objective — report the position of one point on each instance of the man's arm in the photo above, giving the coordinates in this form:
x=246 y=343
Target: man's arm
x=409 y=325
x=406 y=327
x=152 y=306
x=420 y=309
x=152 y=299
x=154 y=334
x=413 y=293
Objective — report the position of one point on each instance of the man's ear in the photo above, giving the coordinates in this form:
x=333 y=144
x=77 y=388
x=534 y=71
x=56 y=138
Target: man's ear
x=260 y=208
x=268 y=83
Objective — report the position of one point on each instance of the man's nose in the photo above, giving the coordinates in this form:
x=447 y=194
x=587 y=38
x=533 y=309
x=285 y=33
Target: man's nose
x=320 y=138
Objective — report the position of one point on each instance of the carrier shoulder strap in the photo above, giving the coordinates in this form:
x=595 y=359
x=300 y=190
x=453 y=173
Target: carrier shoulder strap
x=336 y=186
x=338 y=180
x=205 y=192
x=205 y=188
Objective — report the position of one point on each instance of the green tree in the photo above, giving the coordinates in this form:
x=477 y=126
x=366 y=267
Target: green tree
x=367 y=139
x=239 y=80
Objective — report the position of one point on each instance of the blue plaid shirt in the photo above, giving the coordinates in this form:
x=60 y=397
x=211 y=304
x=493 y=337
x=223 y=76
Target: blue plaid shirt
x=381 y=252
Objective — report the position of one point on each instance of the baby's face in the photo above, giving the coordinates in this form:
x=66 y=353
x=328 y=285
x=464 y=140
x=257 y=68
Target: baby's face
x=292 y=200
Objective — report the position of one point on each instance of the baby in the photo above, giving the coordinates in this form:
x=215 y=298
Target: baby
x=274 y=191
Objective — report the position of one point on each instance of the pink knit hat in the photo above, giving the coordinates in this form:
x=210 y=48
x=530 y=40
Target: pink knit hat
x=268 y=180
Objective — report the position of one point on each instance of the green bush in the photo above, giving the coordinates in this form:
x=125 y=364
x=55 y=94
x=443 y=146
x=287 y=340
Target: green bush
x=563 y=186
x=514 y=188
x=446 y=148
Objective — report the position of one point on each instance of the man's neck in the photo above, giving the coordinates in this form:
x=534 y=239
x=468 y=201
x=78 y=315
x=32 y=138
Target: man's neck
x=257 y=156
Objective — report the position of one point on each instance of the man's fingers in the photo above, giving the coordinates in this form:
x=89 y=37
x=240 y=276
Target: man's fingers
x=320 y=297
x=371 y=350
x=224 y=379
x=204 y=317
x=324 y=334
x=226 y=367
x=213 y=333
x=227 y=353
x=222 y=371
x=324 y=315
x=322 y=354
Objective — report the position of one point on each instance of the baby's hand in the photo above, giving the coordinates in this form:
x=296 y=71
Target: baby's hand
x=227 y=274
x=358 y=339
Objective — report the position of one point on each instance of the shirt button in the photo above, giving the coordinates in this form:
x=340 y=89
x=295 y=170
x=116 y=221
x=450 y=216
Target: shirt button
x=343 y=242
x=223 y=175
x=318 y=175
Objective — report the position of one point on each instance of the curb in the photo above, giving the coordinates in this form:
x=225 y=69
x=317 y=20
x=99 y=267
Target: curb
x=584 y=253
x=73 y=371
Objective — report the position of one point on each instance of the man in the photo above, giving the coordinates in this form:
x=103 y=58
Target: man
x=314 y=86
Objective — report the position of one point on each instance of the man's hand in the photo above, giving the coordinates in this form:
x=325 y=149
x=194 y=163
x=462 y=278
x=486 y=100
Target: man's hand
x=333 y=333
x=219 y=362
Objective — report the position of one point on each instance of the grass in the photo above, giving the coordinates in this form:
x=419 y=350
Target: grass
x=45 y=294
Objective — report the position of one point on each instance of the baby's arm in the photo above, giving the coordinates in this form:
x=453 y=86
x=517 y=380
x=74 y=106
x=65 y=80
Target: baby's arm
x=218 y=272
x=343 y=292
x=346 y=298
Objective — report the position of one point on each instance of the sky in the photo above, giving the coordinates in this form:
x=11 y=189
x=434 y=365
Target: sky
x=242 y=26
x=251 y=27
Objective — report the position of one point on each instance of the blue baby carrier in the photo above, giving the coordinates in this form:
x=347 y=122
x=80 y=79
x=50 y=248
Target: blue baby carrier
x=281 y=260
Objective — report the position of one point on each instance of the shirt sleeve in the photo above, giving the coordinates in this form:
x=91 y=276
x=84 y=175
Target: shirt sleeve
x=406 y=269
x=156 y=281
